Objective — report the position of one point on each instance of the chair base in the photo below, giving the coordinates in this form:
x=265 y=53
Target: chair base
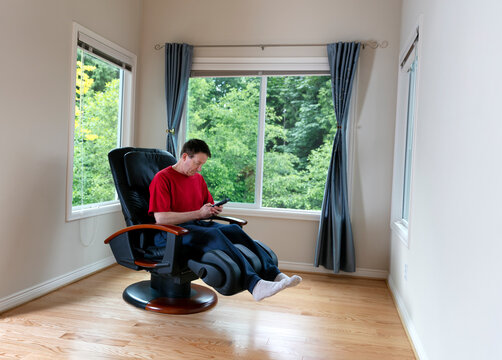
x=142 y=295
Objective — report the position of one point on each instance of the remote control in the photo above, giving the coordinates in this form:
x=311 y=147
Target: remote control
x=221 y=202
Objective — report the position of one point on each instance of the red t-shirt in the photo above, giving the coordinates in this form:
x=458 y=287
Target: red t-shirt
x=173 y=191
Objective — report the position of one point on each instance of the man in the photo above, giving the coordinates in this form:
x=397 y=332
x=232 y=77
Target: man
x=179 y=196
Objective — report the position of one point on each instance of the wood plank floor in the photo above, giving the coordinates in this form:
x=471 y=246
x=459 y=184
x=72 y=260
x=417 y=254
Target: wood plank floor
x=325 y=317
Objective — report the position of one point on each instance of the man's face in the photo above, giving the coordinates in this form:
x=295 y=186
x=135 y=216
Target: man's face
x=193 y=164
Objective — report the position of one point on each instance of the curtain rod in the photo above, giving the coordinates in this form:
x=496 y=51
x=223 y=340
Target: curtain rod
x=373 y=44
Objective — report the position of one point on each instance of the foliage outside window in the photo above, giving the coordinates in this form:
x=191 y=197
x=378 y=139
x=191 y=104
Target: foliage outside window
x=97 y=128
x=299 y=129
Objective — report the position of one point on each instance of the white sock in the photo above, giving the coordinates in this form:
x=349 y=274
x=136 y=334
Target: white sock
x=281 y=276
x=264 y=289
x=291 y=281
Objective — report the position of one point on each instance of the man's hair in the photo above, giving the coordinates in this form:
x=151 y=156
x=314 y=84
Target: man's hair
x=194 y=146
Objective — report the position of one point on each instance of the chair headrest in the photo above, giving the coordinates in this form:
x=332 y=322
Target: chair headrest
x=141 y=167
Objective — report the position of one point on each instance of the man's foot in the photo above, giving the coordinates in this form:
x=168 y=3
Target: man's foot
x=264 y=289
x=291 y=281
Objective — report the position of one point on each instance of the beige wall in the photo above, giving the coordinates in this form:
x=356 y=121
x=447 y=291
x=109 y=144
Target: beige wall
x=452 y=292
x=287 y=21
x=37 y=245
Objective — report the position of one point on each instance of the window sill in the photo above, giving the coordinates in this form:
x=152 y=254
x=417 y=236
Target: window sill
x=82 y=212
x=400 y=228
x=308 y=215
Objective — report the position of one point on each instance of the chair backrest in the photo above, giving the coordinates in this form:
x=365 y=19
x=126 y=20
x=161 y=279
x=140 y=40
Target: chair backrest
x=133 y=169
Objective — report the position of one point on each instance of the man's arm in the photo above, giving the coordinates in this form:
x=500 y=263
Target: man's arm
x=175 y=218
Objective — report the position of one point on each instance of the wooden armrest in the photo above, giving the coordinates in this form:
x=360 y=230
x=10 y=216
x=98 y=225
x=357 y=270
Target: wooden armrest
x=148 y=263
x=231 y=220
x=173 y=229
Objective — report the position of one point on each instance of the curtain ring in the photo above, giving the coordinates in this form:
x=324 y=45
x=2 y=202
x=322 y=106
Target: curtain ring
x=170 y=131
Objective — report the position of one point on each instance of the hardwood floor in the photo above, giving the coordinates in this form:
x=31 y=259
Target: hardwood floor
x=325 y=317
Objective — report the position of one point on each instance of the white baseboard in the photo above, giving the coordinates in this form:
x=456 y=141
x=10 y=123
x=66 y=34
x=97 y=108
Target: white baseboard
x=408 y=323
x=36 y=291
x=310 y=268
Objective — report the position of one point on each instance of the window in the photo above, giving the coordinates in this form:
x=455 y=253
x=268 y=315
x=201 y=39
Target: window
x=404 y=143
x=410 y=114
x=100 y=120
x=270 y=135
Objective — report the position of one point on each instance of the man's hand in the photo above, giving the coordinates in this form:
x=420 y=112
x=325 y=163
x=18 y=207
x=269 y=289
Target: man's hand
x=207 y=210
x=175 y=218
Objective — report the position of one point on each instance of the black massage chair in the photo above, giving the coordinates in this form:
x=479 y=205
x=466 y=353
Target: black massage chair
x=172 y=269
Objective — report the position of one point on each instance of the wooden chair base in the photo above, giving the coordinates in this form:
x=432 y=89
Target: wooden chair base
x=142 y=295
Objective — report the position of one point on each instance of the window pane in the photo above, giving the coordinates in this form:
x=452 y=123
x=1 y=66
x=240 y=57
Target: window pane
x=224 y=112
x=299 y=132
x=409 y=140
x=97 y=128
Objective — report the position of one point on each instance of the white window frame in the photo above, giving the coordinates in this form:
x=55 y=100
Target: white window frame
x=273 y=64
x=127 y=125
x=412 y=47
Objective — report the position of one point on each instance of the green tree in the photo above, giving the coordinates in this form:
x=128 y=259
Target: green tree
x=301 y=118
x=302 y=106
x=227 y=119
x=96 y=133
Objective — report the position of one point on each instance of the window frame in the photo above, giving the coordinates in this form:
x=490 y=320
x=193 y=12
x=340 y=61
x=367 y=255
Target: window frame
x=410 y=51
x=264 y=67
x=127 y=111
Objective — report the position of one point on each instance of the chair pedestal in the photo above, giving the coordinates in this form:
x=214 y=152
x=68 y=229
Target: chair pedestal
x=162 y=294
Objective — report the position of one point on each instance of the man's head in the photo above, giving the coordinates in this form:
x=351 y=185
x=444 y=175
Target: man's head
x=194 y=146
x=194 y=154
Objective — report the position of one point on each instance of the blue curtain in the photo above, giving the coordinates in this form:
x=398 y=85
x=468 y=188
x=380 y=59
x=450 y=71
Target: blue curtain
x=335 y=245
x=178 y=66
